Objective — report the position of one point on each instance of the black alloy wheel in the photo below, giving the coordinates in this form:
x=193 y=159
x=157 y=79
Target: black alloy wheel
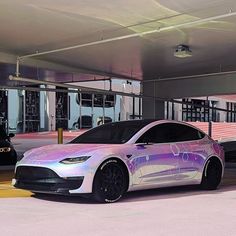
x=212 y=174
x=110 y=182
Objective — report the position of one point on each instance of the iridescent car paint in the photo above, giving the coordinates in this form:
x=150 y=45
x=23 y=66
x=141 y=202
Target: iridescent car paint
x=149 y=165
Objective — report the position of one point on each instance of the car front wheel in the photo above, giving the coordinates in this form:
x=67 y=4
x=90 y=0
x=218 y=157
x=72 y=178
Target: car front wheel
x=110 y=182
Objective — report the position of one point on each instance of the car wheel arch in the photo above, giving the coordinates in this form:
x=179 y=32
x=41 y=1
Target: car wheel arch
x=121 y=162
x=212 y=173
x=216 y=158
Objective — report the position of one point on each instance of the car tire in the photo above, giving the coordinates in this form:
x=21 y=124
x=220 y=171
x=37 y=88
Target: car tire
x=212 y=174
x=110 y=182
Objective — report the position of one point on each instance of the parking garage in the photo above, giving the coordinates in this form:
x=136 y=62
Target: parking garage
x=69 y=66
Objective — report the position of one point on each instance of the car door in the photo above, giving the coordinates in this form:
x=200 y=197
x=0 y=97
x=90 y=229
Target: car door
x=188 y=141
x=156 y=162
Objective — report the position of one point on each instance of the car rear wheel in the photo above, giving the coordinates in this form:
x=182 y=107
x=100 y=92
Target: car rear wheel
x=110 y=182
x=212 y=174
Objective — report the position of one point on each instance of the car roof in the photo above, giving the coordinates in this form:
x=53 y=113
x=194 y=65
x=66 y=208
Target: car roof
x=136 y=122
x=145 y=122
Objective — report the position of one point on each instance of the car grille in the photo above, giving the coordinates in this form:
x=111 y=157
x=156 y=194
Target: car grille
x=29 y=172
x=40 y=179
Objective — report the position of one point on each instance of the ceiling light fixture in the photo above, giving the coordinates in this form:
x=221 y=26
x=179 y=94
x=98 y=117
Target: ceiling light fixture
x=182 y=51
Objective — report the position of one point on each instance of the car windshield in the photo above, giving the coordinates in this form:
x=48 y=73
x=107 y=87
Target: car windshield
x=112 y=133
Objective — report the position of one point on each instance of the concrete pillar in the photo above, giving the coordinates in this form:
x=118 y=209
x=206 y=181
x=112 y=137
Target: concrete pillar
x=126 y=103
x=221 y=114
x=152 y=109
x=50 y=118
x=178 y=112
x=43 y=109
x=14 y=106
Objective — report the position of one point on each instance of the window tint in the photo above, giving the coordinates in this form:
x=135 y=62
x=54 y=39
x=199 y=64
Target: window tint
x=157 y=134
x=182 y=132
x=112 y=133
x=170 y=132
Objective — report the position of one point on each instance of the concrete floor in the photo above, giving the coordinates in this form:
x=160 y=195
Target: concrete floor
x=171 y=211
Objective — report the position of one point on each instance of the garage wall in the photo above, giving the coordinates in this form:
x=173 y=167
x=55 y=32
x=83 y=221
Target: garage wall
x=193 y=87
x=183 y=88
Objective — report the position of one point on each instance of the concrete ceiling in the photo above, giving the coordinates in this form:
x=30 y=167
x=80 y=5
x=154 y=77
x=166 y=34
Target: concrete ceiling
x=29 y=26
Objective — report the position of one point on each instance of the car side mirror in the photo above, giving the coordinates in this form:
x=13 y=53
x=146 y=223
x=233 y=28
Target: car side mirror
x=11 y=135
x=144 y=141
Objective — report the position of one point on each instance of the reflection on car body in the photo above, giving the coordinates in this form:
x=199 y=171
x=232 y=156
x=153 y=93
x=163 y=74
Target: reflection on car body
x=114 y=158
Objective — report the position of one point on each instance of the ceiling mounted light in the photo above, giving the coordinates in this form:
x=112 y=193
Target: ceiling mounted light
x=182 y=51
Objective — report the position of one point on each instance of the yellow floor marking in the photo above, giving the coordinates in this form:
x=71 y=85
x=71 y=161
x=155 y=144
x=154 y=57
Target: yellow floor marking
x=5 y=183
x=7 y=190
x=13 y=193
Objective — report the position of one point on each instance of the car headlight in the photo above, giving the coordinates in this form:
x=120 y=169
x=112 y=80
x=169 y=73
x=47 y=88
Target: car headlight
x=5 y=149
x=75 y=160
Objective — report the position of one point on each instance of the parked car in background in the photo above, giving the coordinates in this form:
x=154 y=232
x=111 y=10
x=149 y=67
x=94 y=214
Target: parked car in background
x=86 y=122
x=103 y=120
x=8 y=154
x=111 y=159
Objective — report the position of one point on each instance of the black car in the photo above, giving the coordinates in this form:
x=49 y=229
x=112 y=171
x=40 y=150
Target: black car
x=8 y=154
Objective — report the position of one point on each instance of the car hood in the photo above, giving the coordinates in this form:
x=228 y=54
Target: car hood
x=59 y=152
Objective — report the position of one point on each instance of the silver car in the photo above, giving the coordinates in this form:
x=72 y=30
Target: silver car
x=114 y=158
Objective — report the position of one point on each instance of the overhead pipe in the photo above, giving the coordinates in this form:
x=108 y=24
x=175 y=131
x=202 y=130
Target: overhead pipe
x=161 y=29
x=19 y=58
x=92 y=90
x=77 y=87
x=188 y=76
x=35 y=89
x=18 y=67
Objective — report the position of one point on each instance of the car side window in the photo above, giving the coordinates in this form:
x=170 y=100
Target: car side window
x=181 y=132
x=170 y=132
x=158 y=134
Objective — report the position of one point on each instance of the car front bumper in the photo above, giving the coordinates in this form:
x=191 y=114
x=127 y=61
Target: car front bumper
x=45 y=180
